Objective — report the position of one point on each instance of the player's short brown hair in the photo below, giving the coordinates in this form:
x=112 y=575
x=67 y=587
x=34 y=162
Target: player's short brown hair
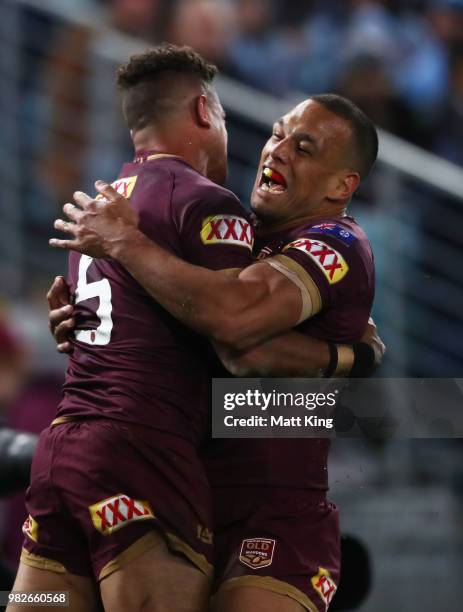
x=365 y=136
x=144 y=86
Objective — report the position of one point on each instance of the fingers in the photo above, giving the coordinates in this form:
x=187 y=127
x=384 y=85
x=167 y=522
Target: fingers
x=61 y=325
x=58 y=294
x=58 y=316
x=72 y=245
x=106 y=190
x=65 y=226
x=72 y=212
x=82 y=199
x=63 y=330
x=66 y=347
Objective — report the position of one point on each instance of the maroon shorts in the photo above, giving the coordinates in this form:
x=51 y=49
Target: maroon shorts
x=282 y=540
x=100 y=488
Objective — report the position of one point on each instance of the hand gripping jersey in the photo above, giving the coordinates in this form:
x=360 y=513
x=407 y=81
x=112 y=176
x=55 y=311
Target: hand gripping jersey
x=132 y=361
x=332 y=259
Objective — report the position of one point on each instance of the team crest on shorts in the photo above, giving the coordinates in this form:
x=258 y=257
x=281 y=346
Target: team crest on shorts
x=324 y=585
x=257 y=553
x=110 y=515
x=31 y=528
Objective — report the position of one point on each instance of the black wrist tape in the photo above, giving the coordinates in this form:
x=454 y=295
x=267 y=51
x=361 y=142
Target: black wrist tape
x=333 y=364
x=364 y=360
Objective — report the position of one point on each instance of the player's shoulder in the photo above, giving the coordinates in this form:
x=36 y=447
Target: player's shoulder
x=198 y=187
x=344 y=231
x=335 y=246
x=195 y=197
x=342 y=234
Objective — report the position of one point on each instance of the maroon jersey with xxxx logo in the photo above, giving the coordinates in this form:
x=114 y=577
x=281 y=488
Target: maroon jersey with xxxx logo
x=132 y=361
x=333 y=259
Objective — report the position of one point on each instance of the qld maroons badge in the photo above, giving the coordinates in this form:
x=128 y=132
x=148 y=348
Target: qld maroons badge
x=257 y=552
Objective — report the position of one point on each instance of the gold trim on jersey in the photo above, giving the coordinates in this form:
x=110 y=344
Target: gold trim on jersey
x=270 y=584
x=159 y=155
x=42 y=562
x=63 y=419
x=295 y=270
x=345 y=361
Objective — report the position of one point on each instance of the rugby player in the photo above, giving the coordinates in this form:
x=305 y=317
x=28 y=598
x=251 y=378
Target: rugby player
x=315 y=272
x=118 y=495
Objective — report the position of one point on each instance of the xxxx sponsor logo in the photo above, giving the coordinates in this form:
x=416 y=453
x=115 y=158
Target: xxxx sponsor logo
x=31 y=528
x=324 y=585
x=257 y=553
x=227 y=229
x=330 y=262
x=123 y=186
x=116 y=512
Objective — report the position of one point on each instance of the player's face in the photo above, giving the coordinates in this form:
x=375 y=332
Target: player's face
x=218 y=140
x=300 y=163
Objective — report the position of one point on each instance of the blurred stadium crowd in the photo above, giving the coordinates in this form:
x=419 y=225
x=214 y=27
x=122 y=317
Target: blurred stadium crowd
x=400 y=60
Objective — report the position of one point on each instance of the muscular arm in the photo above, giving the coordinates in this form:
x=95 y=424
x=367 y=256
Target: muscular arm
x=289 y=355
x=236 y=312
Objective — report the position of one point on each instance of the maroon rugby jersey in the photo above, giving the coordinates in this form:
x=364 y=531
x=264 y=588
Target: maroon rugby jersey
x=132 y=361
x=337 y=256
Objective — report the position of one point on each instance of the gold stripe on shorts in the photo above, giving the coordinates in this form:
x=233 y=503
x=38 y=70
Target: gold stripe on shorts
x=178 y=545
x=42 y=562
x=149 y=541
x=270 y=584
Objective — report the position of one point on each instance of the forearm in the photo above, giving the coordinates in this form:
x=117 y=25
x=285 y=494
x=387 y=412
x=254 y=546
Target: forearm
x=229 y=310
x=290 y=355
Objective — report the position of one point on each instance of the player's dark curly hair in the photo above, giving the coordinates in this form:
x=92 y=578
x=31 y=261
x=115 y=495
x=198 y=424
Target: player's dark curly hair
x=363 y=129
x=140 y=79
x=164 y=57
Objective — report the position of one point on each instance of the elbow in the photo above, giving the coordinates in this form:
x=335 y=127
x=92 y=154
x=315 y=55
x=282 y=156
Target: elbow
x=230 y=334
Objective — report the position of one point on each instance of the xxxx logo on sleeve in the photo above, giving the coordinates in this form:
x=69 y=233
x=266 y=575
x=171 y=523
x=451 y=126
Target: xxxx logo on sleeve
x=324 y=585
x=330 y=262
x=116 y=512
x=123 y=186
x=31 y=528
x=227 y=229
x=257 y=553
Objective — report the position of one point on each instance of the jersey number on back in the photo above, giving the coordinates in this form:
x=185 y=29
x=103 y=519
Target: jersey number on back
x=102 y=290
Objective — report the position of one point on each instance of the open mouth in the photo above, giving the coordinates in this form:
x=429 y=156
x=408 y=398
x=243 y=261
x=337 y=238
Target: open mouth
x=272 y=181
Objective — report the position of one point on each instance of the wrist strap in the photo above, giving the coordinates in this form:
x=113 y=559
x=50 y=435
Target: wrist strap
x=364 y=360
x=333 y=364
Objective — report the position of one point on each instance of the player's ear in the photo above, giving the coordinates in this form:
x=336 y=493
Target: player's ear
x=344 y=186
x=202 y=111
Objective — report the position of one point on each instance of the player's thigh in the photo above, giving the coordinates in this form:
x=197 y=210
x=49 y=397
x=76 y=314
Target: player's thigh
x=253 y=599
x=83 y=593
x=156 y=581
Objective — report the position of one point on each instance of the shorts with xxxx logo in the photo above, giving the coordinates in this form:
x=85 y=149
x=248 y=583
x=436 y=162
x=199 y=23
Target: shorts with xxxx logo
x=99 y=490
x=282 y=540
